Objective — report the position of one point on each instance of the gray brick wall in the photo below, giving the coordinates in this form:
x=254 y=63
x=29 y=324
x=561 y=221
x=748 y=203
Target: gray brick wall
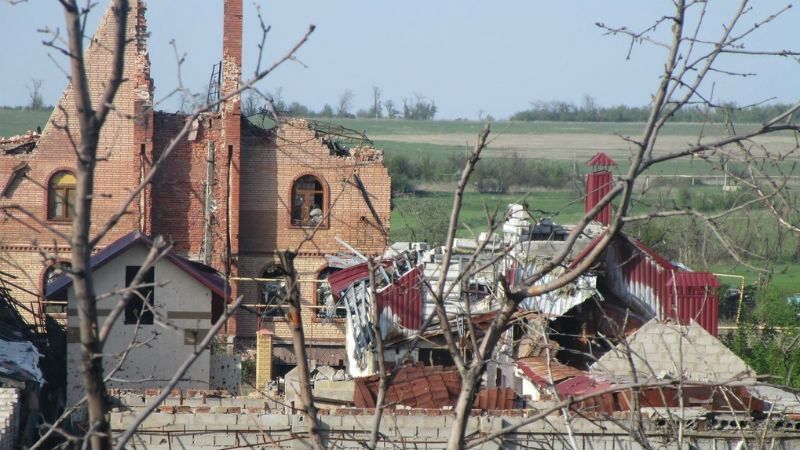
x=666 y=349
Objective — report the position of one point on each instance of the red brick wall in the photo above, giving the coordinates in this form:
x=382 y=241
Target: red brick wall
x=270 y=163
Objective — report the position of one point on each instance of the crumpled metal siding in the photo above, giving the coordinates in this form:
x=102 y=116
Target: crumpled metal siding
x=644 y=276
x=403 y=301
x=667 y=291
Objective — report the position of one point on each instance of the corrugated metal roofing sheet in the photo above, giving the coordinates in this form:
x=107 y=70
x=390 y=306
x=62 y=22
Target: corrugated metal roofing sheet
x=341 y=280
x=696 y=299
x=694 y=279
x=428 y=387
x=598 y=185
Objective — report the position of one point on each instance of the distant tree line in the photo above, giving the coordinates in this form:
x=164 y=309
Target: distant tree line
x=492 y=175
x=589 y=111
x=415 y=107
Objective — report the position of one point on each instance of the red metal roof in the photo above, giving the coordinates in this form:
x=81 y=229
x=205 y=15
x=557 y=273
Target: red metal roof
x=598 y=185
x=495 y=398
x=601 y=159
x=341 y=280
x=200 y=272
x=403 y=298
x=696 y=295
x=537 y=370
x=420 y=386
x=694 y=279
x=582 y=384
x=415 y=386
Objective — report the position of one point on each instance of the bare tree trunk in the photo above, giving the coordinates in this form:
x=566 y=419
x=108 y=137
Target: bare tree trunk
x=299 y=343
x=469 y=388
x=92 y=361
x=91 y=122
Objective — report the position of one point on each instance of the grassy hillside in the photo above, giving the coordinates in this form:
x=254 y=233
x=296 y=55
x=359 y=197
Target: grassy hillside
x=17 y=121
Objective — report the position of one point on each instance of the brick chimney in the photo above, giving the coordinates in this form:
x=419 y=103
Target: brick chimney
x=598 y=184
x=142 y=108
x=230 y=153
x=231 y=54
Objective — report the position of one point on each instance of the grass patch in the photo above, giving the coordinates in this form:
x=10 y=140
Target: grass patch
x=785 y=279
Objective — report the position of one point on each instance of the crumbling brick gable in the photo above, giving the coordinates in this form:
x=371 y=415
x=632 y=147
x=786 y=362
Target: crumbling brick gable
x=269 y=169
x=127 y=128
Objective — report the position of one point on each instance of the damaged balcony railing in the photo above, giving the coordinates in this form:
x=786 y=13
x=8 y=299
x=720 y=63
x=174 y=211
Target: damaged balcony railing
x=272 y=301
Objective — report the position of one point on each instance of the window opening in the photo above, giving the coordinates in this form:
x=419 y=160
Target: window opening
x=329 y=308
x=135 y=307
x=59 y=305
x=308 y=197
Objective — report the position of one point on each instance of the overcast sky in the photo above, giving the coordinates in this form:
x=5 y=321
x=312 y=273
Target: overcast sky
x=468 y=56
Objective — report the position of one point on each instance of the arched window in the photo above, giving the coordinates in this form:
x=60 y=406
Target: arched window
x=61 y=196
x=330 y=308
x=308 y=201
x=273 y=293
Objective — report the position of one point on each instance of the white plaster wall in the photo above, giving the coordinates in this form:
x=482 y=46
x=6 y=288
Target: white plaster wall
x=151 y=365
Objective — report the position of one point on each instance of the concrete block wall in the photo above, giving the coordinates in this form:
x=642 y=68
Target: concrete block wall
x=429 y=429
x=9 y=418
x=665 y=348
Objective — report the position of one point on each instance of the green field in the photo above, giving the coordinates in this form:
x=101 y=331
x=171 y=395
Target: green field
x=18 y=121
x=415 y=127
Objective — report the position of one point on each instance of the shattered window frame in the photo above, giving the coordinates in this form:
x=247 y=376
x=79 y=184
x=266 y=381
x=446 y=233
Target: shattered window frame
x=308 y=191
